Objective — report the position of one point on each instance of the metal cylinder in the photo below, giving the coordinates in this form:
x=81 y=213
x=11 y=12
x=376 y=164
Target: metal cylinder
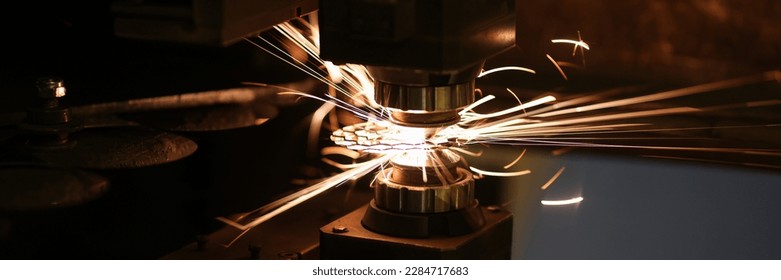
x=50 y=89
x=425 y=182
x=425 y=99
x=49 y=111
x=425 y=106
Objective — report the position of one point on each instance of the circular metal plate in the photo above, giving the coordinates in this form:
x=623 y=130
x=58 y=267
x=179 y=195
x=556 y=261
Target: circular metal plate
x=211 y=118
x=39 y=187
x=120 y=147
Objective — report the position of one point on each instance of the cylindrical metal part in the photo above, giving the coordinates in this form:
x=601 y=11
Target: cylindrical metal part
x=426 y=182
x=425 y=98
x=424 y=55
x=424 y=199
x=50 y=89
x=49 y=123
x=425 y=106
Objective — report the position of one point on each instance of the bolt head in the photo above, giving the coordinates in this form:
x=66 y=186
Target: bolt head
x=340 y=229
x=51 y=87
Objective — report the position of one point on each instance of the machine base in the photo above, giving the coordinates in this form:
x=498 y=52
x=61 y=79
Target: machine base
x=347 y=238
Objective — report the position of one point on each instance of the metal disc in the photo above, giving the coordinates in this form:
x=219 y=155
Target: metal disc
x=119 y=147
x=210 y=118
x=26 y=187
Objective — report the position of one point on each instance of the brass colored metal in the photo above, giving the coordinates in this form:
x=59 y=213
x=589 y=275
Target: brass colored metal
x=121 y=147
x=425 y=106
x=425 y=98
x=425 y=199
x=425 y=182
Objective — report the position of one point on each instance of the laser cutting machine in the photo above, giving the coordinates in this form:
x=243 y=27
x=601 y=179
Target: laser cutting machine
x=220 y=148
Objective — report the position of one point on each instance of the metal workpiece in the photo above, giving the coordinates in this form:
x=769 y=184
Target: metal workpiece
x=425 y=182
x=408 y=168
x=119 y=148
x=424 y=194
x=424 y=199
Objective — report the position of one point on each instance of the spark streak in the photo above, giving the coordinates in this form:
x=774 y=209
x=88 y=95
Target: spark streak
x=619 y=116
x=568 y=41
x=698 y=89
x=294 y=199
x=514 y=109
x=515 y=161
x=477 y=103
x=557 y=66
x=552 y=179
x=505 y=68
x=500 y=174
x=575 y=200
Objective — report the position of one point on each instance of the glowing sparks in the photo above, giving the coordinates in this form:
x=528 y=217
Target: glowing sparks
x=515 y=161
x=698 y=89
x=514 y=129
x=552 y=179
x=290 y=201
x=505 y=68
x=568 y=41
x=467 y=152
x=500 y=174
x=582 y=52
x=515 y=109
x=557 y=66
x=555 y=124
x=570 y=201
x=59 y=92
x=477 y=103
